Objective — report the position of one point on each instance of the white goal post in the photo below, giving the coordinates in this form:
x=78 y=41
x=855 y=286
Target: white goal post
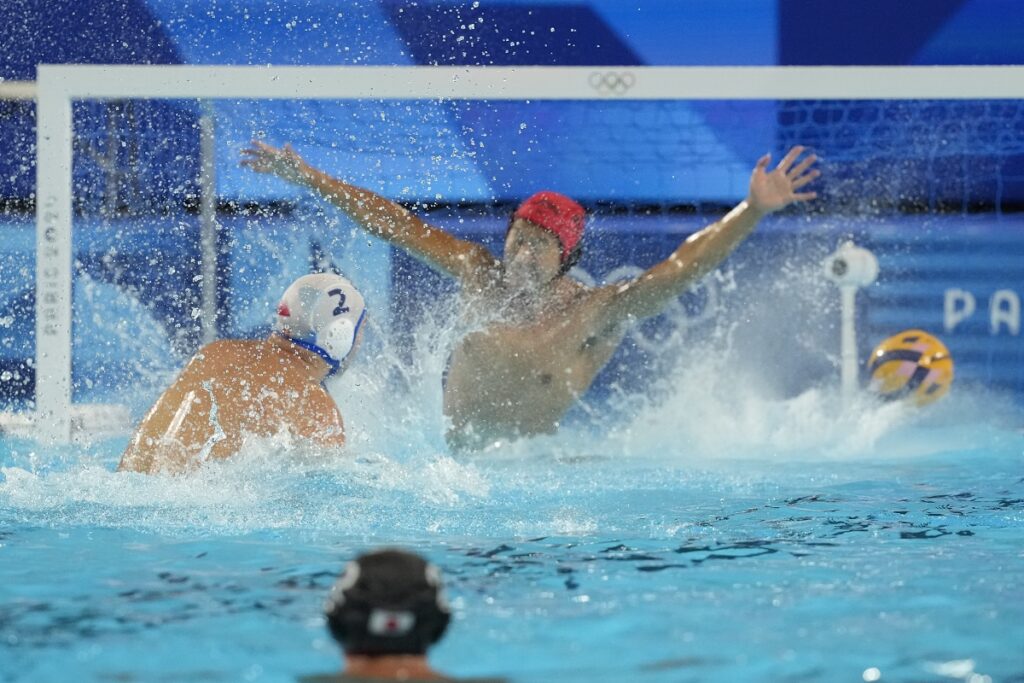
x=59 y=85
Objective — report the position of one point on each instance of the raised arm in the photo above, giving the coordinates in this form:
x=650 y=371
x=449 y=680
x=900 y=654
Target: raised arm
x=465 y=261
x=703 y=251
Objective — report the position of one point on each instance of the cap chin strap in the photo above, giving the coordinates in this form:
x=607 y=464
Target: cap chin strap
x=311 y=346
x=330 y=338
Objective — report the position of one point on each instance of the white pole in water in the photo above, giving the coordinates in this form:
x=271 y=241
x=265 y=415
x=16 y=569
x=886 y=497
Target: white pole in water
x=207 y=225
x=53 y=257
x=848 y=339
x=850 y=267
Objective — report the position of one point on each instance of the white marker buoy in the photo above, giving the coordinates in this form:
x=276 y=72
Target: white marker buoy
x=850 y=267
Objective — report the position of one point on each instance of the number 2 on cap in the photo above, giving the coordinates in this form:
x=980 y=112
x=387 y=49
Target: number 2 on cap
x=341 y=307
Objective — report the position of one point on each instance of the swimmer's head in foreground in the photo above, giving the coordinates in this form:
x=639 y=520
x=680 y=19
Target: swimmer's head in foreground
x=911 y=365
x=322 y=313
x=387 y=608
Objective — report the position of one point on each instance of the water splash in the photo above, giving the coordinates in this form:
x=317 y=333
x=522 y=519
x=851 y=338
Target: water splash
x=110 y=326
x=679 y=438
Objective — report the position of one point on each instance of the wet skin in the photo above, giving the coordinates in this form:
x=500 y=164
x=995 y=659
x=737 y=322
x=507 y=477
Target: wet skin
x=230 y=389
x=516 y=374
x=520 y=374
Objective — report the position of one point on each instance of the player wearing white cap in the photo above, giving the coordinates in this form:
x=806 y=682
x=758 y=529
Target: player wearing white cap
x=237 y=387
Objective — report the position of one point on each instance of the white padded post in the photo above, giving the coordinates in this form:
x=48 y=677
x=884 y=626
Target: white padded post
x=53 y=257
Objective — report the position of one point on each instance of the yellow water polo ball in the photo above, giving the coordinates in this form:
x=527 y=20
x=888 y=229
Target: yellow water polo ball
x=912 y=364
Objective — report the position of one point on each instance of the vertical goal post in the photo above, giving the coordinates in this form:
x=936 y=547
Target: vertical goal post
x=57 y=86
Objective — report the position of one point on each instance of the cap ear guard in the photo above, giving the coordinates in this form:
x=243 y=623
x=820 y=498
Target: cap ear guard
x=444 y=608
x=572 y=259
x=365 y=628
x=337 y=339
x=318 y=313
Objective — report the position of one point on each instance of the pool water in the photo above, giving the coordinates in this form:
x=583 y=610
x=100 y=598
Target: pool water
x=753 y=539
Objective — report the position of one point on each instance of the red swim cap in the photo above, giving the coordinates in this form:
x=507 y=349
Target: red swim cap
x=557 y=213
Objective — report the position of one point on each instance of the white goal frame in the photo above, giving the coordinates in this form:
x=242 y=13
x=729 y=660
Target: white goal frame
x=59 y=85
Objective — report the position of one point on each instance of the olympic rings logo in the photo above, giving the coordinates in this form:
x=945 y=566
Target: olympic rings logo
x=611 y=82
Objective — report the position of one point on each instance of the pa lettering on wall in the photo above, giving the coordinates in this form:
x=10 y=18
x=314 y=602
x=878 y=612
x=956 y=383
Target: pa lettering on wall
x=1003 y=310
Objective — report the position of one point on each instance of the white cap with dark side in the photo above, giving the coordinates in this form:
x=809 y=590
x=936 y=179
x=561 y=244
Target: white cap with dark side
x=322 y=312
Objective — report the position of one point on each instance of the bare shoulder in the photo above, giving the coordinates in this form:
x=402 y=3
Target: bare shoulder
x=319 y=418
x=596 y=310
x=591 y=298
x=230 y=347
x=572 y=292
x=226 y=353
x=319 y=396
x=485 y=280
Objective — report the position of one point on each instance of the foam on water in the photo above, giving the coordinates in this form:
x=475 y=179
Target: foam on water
x=710 y=424
x=616 y=549
x=572 y=483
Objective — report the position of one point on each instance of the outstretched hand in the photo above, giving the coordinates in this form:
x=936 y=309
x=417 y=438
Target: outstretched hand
x=773 y=190
x=284 y=162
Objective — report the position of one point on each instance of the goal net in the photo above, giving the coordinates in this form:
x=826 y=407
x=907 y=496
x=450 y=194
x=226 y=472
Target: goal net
x=148 y=239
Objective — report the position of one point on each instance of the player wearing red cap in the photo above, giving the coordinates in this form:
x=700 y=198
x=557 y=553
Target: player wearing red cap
x=545 y=336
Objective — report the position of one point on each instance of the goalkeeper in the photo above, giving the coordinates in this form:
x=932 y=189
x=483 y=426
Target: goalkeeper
x=540 y=337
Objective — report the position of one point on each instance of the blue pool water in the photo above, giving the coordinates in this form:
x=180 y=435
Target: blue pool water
x=705 y=535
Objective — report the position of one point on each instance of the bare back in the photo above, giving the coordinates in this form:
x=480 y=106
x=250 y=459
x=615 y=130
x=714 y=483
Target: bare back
x=229 y=389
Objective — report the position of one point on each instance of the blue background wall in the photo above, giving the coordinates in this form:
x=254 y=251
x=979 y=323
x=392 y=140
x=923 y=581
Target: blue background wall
x=939 y=200
x=511 y=32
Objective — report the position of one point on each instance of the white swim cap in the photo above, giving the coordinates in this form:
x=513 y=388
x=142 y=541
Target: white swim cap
x=322 y=312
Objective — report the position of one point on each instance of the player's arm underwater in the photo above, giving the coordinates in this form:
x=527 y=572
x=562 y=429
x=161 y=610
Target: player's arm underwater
x=463 y=260
x=703 y=251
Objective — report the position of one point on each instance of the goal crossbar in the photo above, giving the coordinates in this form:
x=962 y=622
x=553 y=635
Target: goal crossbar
x=58 y=85
x=524 y=83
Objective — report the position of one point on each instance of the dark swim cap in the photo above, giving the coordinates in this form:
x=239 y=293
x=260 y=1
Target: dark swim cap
x=388 y=602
